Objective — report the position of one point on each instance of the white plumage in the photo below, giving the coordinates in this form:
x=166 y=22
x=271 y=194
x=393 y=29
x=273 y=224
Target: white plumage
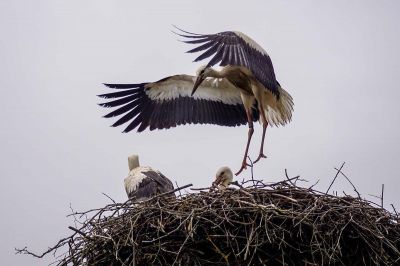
x=245 y=90
x=223 y=178
x=177 y=86
x=143 y=182
x=168 y=103
x=249 y=68
x=251 y=43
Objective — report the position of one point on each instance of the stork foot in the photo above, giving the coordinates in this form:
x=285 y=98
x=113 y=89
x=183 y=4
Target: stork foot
x=259 y=157
x=240 y=170
x=244 y=166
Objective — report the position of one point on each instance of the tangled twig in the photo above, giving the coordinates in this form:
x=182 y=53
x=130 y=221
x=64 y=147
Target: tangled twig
x=253 y=223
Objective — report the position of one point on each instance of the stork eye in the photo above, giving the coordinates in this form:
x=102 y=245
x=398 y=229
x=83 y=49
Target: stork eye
x=222 y=172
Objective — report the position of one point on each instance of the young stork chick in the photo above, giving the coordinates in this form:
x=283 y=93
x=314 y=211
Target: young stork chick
x=143 y=182
x=223 y=178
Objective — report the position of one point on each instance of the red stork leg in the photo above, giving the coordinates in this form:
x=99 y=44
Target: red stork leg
x=249 y=135
x=265 y=125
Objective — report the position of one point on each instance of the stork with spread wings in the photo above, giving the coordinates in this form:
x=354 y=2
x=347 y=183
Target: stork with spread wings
x=243 y=91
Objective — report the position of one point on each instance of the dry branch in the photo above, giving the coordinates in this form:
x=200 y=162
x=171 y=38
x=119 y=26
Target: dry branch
x=274 y=224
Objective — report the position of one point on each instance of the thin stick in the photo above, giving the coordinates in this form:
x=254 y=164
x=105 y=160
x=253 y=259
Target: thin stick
x=108 y=197
x=340 y=169
x=251 y=170
x=289 y=179
x=348 y=179
x=169 y=192
x=395 y=211
x=201 y=188
x=180 y=194
x=77 y=231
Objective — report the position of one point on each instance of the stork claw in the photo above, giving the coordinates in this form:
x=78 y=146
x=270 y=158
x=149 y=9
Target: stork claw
x=244 y=166
x=241 y=169
x=259 y=157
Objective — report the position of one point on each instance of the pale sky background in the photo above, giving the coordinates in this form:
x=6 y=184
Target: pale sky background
x=340 y=60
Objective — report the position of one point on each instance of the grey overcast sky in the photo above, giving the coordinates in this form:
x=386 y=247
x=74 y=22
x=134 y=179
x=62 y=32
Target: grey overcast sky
x=340 y=60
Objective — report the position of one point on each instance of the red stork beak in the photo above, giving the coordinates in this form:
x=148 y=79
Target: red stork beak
x=197 y=83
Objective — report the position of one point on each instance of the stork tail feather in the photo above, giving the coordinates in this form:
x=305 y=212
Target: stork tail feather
x=279 y=111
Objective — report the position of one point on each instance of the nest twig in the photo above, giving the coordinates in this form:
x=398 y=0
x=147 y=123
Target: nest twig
x=253 y=224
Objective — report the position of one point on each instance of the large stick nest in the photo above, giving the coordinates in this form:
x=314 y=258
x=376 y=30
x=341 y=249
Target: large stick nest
x=257 y=224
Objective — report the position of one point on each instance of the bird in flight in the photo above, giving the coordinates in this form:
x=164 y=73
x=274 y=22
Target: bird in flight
x=245 y=90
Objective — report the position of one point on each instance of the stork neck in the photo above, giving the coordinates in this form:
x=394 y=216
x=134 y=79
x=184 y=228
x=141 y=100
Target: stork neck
x=215 y=73
x=133 y=162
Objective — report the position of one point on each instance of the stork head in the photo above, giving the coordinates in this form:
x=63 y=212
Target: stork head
x=201 y=70
x=224 y=177
x=202 y=73
x=133 y=161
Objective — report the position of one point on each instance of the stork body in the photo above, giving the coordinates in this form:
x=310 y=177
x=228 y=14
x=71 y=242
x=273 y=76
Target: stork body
x=243 y=91
x=143 y=182
x=249 y=68
x=272 y=109
x=223 y=178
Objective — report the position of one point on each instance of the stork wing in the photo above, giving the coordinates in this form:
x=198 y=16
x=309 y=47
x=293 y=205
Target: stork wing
x=163 y=183
x=234 y=48
x=151 y=184
x=167 y=103
x=144 y=190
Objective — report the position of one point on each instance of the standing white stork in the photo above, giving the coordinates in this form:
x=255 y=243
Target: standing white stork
x=143 y=182
x=234 y=96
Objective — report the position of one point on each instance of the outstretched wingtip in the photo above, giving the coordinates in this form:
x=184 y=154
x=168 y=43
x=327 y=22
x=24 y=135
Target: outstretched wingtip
x=187 y=34
x=103 y=96
x=177 y=31
x=176 y=27
x=126 y=130
x=184 y=31
x=173 y=30
x=179 y=35
x=108 y=116
x=107 y=85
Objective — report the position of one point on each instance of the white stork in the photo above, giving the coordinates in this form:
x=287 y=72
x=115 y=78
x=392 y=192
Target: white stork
x=223 y=178
x=245 y=90
x=143 y=182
